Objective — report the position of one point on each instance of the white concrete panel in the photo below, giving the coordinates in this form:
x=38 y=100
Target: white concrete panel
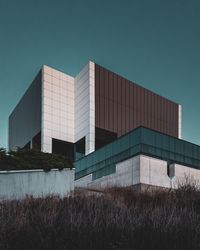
x=56 y=99
x=154 y=172
x=47 y=78
x=47 y=85
x=128 y=172
x=144 y=170
x=85 y=107
x=47 y=70
x=185 y=175
x=158 y=173
x=55 y=81
x=55 y=73
x=83 y=182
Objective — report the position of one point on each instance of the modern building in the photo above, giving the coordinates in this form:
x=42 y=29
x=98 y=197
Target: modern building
x=141 y=157
x=95 y=118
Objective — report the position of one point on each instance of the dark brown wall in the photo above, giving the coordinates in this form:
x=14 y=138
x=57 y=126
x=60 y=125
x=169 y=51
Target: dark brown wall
x=121 y=106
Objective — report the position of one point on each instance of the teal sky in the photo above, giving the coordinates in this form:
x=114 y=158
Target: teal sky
x=154 y=43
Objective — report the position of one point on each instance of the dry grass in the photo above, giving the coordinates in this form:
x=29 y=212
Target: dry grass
x=118 y=219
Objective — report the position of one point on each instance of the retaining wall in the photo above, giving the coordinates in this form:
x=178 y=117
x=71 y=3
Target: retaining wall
x=37 y=183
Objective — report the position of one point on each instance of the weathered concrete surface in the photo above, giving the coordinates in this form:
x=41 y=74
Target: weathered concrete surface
x=83 y=182
x=154 y=172
x=182 y=174
x=36 y=183
x=127 y=174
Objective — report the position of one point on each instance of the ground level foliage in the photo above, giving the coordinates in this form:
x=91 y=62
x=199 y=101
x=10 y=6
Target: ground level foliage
x=117 y=218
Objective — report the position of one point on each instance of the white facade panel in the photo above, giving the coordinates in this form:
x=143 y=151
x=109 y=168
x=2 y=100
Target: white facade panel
x=58 y=107
x=85 y=107
x=68 y=109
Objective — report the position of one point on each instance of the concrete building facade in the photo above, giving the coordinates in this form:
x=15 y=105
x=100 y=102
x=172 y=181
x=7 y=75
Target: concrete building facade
x=140 y=157
x=115 y=131
x=55 y=112
x=91 y=109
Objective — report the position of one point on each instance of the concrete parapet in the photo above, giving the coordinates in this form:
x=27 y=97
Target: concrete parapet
x=36 y=183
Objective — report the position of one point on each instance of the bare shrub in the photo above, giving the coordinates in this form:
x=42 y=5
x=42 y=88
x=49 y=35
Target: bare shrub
x=118 y=218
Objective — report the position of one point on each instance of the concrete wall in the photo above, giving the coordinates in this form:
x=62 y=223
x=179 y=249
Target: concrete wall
x=85 y=181
x=182 y=174
x=154 y=172
x=143 y=169
x=36 y=183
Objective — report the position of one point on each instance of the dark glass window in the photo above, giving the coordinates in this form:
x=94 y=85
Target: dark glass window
x=27 y=146
x=103 y=137
x=63 y=148
x=80 y=148
x=36 y=142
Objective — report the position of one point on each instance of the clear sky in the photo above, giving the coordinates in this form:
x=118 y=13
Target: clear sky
x=154 y=43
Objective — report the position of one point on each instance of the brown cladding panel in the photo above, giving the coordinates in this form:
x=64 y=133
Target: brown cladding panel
x=110 y=115
x=119 y=118
x=123 y=93
x=131 y=118
x=147 y=108
x=124 y=119
x=121 y=106
x=142 y=99
x=97 y=114
x=127 y=89
x=110 y=82
x=107 y=113
x=127 y=111
x=106 y=85
x=131 y=96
